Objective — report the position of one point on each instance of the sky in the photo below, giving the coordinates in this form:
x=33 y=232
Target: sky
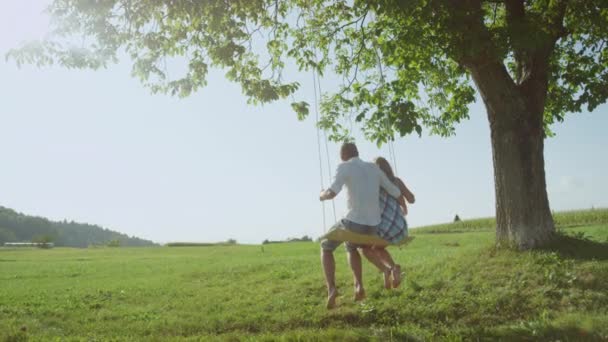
x=97 y=147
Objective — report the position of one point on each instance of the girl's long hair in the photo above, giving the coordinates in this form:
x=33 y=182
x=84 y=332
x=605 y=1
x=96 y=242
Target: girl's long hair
x=386 y=167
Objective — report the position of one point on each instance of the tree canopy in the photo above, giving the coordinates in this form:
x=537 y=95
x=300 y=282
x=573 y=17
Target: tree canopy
x=387 y=52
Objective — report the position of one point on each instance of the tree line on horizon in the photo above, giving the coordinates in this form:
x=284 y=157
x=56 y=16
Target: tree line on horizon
x=304 y=238
x=18 y=227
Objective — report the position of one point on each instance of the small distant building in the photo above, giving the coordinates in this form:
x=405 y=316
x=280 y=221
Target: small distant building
x=30 y=244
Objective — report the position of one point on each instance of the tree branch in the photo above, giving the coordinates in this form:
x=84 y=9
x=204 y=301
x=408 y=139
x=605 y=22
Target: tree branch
x=557 y=20
x=357 y=56
x=516 y=24
x=515 y=9
x=341 y=27
x=470 y=42
x=534 y=79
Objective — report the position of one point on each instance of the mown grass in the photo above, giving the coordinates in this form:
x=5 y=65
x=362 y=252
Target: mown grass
x=458 y=287
x=563 y=219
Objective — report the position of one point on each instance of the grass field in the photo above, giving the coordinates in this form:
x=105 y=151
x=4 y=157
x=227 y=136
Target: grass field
x=458 y=287
x=564 y=219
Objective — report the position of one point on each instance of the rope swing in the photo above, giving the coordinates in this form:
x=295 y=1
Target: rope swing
x=387 y=122
x=344 y=234
x=317 y=97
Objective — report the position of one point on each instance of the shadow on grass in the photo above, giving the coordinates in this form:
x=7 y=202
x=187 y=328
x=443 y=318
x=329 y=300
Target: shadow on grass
x=578 y=248
x=541 y=333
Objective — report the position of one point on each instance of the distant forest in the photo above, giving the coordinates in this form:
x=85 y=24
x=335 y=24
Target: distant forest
x=17 y=227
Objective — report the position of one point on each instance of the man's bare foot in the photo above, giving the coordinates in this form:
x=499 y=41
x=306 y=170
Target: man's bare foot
x=396 y=273
x=331 y=299
x=387 y=279
x=359 y=294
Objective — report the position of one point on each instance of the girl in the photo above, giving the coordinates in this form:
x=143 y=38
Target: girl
x=392 y=228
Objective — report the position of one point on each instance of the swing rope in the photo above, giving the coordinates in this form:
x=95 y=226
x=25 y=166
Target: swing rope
x=319 y=147
x=390 y=140
x=318 y=87
x=317 y=98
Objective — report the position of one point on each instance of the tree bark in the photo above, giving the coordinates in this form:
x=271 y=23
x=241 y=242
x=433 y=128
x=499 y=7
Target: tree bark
x=523 y=217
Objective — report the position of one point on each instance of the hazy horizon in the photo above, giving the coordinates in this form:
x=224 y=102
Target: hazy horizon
x=278 y=239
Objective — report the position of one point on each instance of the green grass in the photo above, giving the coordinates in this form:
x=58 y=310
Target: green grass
x=458 y=287
x=563 y=219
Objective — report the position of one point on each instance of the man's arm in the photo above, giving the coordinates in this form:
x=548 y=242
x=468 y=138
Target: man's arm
x=387 y=185
x=336 y=186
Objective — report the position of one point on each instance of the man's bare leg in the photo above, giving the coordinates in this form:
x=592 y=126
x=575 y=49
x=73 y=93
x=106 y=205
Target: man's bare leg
x=329 y=268
x=372 y=256
x=354 y=260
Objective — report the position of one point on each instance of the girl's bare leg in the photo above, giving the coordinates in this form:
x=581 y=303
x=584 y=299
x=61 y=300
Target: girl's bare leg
x=396 y=273
x=374 y=257
x=389 y=263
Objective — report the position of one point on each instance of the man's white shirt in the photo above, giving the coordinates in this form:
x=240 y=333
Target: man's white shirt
x=363 y=181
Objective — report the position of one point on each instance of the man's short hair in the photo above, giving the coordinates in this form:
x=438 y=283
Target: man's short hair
x=349 y=150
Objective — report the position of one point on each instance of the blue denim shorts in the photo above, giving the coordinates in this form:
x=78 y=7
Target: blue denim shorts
x=331 y=245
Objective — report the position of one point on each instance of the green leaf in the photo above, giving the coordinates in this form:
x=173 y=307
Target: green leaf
x=301 y=109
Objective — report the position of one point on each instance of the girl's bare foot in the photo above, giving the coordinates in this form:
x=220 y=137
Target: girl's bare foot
x=396 y=273
x=387 y=279
x=331 y=299
x=359 y=294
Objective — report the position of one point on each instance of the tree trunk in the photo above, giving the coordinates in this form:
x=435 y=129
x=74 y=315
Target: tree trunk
x=523 y=217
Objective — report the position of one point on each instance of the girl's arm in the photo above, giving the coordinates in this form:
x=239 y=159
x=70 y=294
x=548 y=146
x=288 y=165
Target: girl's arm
x=405 y=192
x=402 y=204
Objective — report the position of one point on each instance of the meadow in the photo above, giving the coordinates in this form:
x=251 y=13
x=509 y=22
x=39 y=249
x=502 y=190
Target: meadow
x=457 y=287
x=564 y=219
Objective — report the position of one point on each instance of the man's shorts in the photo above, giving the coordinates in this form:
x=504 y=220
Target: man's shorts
x=331 y=245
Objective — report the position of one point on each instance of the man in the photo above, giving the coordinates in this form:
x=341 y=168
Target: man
x=363 y=181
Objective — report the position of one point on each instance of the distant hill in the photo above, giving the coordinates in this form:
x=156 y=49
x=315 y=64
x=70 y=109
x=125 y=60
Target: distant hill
x=18 y=227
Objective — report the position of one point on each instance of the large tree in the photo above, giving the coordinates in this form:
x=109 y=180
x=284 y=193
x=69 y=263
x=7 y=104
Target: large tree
x=405 y=65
